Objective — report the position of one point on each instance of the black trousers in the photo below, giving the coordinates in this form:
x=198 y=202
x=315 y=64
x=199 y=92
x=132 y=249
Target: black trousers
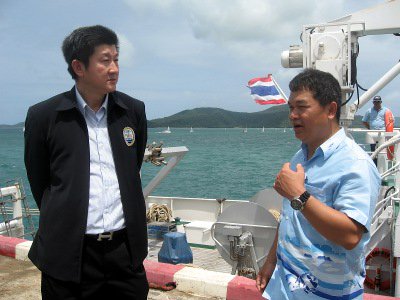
x=106 y=272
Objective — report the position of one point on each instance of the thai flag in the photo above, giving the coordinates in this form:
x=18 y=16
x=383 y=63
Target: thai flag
x=264 y=91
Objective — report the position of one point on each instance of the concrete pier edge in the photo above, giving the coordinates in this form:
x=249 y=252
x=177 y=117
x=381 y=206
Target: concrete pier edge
x=188 y=279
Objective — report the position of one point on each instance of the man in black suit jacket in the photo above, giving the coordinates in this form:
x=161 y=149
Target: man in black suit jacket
x=83 y=153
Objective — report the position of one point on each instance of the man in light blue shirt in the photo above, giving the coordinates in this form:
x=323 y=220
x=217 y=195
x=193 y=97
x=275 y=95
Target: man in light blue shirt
x=330 y=189
x=374 y=118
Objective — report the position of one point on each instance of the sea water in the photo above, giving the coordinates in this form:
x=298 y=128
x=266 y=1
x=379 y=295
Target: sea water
x=221 y=163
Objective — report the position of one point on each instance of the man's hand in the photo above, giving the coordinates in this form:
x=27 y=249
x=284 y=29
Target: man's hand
x=264 y=275
x=288 y=183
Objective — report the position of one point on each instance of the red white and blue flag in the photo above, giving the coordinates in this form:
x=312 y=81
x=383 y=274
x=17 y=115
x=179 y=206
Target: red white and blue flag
x=264 y=91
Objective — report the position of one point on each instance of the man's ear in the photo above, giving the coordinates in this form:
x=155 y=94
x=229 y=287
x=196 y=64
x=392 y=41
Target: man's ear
x=332 y=109
x=78 y=67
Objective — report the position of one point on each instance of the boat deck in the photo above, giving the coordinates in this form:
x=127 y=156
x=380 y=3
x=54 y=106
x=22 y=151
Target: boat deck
x=208 y=259
x=211 y=260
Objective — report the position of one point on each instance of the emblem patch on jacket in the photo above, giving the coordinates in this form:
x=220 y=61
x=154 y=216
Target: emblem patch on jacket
x=129 y=136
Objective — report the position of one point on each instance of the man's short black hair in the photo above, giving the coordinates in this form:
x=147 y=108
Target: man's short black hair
x=323 y=86
x=81 y=43
x=377 y=98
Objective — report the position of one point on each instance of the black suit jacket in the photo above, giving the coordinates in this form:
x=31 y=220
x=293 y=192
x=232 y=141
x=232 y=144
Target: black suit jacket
x=57 y=163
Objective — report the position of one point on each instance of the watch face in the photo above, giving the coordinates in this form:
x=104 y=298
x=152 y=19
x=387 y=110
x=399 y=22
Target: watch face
x=296 y=204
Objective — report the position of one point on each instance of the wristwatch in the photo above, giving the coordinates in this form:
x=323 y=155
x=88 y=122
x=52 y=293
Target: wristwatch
x=298 y=203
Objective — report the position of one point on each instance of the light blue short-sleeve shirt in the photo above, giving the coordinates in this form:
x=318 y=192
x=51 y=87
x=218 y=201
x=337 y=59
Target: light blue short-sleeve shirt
x=376 y=119
x=341 y=175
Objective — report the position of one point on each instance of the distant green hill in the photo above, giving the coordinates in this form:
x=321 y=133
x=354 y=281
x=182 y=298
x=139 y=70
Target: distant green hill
x=18 y=125
x=275 y=117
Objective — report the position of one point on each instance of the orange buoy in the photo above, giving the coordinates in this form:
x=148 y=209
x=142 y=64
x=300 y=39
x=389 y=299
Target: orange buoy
x=389 y=125
x=377 y=281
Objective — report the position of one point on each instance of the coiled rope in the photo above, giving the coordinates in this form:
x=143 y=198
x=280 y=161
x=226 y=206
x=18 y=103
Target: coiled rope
x=159 y=213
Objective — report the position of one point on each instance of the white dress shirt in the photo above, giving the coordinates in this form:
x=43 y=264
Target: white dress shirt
x=105 y=207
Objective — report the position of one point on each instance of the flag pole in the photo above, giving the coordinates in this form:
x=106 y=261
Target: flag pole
x=278 y=88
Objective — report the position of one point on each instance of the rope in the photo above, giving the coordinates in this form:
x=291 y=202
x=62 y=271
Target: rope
x=159 y=213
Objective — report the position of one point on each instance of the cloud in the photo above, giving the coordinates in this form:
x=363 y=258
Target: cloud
x=177 y=53
x=254 y=20
x=163 y=7
x=247 y=31
x=227 y=21
x=127 y=51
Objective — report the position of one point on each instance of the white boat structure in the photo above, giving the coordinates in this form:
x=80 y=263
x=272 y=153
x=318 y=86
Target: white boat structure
x=14 y=211
x=168 y=130
x=191 y=130
x=225 y=226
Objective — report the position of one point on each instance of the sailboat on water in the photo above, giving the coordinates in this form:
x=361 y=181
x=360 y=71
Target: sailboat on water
x=191 y=129
x=263 y=129
x=166 y=131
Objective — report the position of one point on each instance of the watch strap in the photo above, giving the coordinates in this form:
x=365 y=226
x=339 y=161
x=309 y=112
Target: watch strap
x=299 y=202
x=304 y=197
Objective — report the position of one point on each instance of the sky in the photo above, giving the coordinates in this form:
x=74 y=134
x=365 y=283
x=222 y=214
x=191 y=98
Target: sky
x=175 y=54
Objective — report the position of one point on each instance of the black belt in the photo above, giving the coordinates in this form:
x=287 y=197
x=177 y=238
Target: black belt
x=107 y=236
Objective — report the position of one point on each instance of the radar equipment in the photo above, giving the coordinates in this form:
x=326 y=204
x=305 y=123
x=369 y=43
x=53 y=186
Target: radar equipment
x=243 y=239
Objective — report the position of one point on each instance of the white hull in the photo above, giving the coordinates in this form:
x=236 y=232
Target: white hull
x=166 y=131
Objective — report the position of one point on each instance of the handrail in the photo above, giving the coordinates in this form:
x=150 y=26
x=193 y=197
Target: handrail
x=395 y=168
x=175 y=154
x=382 y=204
x=392 y=141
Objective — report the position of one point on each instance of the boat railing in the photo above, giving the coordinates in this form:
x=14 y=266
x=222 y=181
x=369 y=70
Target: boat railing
x=175 y=154
x=33 y=211
x=380 y=155
x=15 y=214
x=381 y=227
x=394 y=140
x=385 y=224
x=391 y=171
x=384 y=203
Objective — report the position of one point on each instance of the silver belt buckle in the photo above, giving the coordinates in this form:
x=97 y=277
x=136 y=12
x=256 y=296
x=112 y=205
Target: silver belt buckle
x=107 y=236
